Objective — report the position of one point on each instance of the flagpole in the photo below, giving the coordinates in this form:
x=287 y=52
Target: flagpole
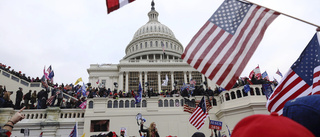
x=285 y=14
x=77 y=128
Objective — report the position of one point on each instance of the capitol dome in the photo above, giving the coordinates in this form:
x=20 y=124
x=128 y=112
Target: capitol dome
x=153 y=40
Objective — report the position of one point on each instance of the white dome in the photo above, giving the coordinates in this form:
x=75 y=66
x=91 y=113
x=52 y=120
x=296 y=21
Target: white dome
x=153 y=38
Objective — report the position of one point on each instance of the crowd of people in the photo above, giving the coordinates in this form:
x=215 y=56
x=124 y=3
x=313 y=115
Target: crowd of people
x=19 y=74
x=73 y=95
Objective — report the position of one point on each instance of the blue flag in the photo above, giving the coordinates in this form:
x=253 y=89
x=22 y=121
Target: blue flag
x=266 y=88
x=246 y=88
x=265 y=75
x=139 y=96
x=51 y=75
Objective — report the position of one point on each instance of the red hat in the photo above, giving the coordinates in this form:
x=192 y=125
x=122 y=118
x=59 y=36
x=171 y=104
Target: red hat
x=260 y=125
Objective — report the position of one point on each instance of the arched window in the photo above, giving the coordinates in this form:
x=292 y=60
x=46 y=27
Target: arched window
x=132 y=103
x=251 y=92
x=146 y=44
x=109 y=104
x=166 y=103
x=233 y=95
x=171 y=103
x=214 y=102
x=144 y=103
x=126 y=104
x=177 y=102
x=150 y=43
x=160 y=103
x=156 y=43
x=257 y=91
x=115 y=104
x=121 y=104
x=90 y=104
x=239 y=94
x=227 y=96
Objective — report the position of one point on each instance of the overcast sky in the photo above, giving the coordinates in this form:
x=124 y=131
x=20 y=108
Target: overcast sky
x=72 y=34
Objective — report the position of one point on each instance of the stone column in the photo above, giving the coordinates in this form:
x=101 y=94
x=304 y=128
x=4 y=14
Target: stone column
x=145 y=76
x=185 y=77
x=190 y=76
x=120 y=81
x=140 y=78
x=159 y=81
x=172 y=80
x=127 y=82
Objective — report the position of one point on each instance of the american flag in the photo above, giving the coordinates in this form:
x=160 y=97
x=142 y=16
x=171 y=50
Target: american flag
x=223 y=46
x=74 y=132
x=162 y=45
x=113 y=5
x=302 y=79
x=50 y=100
x=193 y=82
x=199 y=115
x=187 y=108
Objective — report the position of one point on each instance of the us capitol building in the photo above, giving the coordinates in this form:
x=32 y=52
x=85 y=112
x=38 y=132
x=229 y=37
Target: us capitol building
x=151 y=55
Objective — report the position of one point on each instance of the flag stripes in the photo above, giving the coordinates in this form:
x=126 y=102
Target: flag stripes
x=222 y=56
x=292 y=86
x=199 y=115
x=189 y=109
x=302 y=79
x=113 y=5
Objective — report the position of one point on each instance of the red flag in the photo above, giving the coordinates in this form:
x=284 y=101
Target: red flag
x=199 y=115
x=302 y=79
x=223 y=46
x=113 y=5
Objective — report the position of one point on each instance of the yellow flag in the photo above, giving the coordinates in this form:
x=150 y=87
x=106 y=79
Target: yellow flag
x=83 y=135
x=78 y=80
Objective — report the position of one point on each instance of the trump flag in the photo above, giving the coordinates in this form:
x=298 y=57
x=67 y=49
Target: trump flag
x=302 y=79
x=223 y=46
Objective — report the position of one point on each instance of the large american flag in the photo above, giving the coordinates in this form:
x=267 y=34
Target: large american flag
x=113 y=5
x=223 y=46
x=199 y=115
x=302 y=79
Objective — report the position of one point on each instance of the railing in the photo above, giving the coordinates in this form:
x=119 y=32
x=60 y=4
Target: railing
x=21 y=81
x=5 y=74
x=42 y=114
x=237 y=93
x=153 y=60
